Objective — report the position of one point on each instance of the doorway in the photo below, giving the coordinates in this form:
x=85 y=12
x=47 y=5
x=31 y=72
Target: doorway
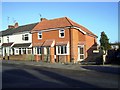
x=81 y=53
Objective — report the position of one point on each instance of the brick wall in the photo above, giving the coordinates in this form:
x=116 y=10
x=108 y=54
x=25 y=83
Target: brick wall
x=48 y=35
x=20 y=57
x=74 y=44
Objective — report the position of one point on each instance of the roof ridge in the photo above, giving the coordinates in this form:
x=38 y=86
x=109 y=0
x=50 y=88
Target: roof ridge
x=55 y=18
x=69 y=21
x=28 y=24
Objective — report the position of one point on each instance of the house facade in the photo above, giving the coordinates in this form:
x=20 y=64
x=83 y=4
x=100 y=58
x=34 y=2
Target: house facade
x=1 y=44
x=16 y=40
x=115 y=46
x=62 y=40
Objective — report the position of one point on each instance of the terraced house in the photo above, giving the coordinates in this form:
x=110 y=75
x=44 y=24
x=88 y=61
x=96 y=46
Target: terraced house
x=62 y=40
x=16 y=41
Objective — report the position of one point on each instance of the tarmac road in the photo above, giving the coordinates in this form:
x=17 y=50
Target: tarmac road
x=24 y=76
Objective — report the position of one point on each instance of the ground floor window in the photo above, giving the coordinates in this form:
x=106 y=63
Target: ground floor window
x=39 y=50
x=24 y=50
x=46 y=50
x=81 y=52
x=20 y=51
x=13 y=50
x=62 y=49
x=29 y=51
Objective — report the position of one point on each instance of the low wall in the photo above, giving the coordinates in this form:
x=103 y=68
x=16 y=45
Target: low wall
x=20 y=57
x=63 y=58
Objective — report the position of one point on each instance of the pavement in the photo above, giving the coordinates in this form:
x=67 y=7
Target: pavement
x=114 y=69
x=45 y=64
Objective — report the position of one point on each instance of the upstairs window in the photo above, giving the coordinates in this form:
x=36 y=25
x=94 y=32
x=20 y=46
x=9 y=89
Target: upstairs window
x=39 y=35
x=25 y=37
x=8 y=39
x=62 y=33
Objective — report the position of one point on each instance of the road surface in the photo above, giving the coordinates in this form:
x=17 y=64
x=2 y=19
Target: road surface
x=23 y=76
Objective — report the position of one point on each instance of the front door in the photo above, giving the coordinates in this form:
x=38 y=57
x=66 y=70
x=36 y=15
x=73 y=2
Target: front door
x=47 y=54
x=81 y=53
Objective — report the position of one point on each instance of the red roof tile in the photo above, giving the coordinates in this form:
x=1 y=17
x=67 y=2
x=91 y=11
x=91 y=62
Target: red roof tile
x=48 y=43
x=38 y=44
x=62 y=43
x=81 y=43
x=59 y=23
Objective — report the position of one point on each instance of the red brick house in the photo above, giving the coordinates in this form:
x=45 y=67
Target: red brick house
x=62 y=40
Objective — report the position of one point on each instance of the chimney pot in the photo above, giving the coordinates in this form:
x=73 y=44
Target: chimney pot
x=16 y=25
x=43 y=19
x=10 y=26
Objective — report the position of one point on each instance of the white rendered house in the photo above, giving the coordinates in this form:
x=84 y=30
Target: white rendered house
x=17 y=40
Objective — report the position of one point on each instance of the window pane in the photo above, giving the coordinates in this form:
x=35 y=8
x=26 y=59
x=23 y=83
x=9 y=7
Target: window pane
x=26 y=38
x=48 y=51
x=24 y=50
x=81 y=56
x=61 y=49
x=38 y=50
x=62 y=31
x=65 y=49
x=22 y=37
x=81 y=50
x=40 y=35
x=26 y=35
x=29 y=51
x=62 y=34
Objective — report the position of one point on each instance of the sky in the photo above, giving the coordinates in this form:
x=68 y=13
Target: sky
x=95 y=16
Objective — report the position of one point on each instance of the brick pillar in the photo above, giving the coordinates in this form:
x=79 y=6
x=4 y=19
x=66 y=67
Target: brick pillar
x=57 y=58
x=52 y=60
x=42 y=54
x=68 y=58
x=74 y=45
x=42 y=57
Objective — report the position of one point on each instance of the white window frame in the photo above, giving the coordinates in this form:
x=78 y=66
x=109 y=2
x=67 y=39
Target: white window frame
x=40 y=33
x=24 y=36
x=16 y=51
x=40 y=50
x=24 y=50
x=8 y=39
x=61 y=31
x=58 y=50
x=81 y=54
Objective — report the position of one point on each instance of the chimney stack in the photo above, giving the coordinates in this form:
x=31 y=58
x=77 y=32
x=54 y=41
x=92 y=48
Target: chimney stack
x=10 y=26
x=16 y=25
x=43 y=19
x=13 y=26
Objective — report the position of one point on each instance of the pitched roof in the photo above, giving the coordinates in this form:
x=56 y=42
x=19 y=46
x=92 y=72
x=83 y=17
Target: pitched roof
x=61 y=43
x=23 y=28
x=22 y=45
x=38 y=44
x=59 y=23
x=7 y=44
x=48 y=43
